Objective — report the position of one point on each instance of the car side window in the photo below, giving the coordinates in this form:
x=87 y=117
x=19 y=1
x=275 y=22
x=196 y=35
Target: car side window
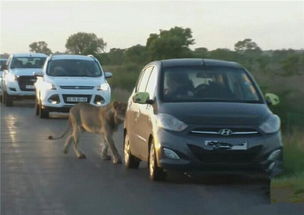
x=152 y=83
x=141 y=87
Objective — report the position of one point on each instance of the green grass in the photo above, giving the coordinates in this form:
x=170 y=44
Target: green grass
x=290 y=185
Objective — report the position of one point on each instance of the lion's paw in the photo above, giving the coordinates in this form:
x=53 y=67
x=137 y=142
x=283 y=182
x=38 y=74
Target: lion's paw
x=82 y=156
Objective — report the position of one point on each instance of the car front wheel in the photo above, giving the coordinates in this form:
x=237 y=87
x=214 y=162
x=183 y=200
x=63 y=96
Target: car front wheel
x=7 y=99
x=43 y=113
x=155 y=173
x=131 y=162
x=36 y=108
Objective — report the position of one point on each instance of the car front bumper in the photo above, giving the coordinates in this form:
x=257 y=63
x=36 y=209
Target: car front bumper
x=263 y=153
x=62 y=105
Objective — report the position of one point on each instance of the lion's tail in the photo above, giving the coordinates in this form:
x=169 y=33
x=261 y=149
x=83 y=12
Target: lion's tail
x=63 y=134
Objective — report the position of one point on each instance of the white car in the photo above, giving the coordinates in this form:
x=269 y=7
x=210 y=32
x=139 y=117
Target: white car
x=2 y=66
x=18 y=79
x=70 y=79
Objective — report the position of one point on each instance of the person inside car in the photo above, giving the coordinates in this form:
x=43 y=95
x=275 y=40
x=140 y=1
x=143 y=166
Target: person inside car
x=178 y=86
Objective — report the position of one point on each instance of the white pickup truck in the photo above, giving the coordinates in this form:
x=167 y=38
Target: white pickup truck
x=18 y=76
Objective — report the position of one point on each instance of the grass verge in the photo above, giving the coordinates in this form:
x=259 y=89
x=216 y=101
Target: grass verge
x=289 y=187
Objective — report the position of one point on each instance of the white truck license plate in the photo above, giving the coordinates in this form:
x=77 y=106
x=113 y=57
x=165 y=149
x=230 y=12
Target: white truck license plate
x=77 y=99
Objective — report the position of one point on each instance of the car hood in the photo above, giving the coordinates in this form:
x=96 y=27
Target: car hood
x=25 y=72
x=76 y=81
x=217 y=113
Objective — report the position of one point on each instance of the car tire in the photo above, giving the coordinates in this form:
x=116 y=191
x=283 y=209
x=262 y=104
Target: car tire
x=267 y=188
x=36 y=108
x=155 y=173
x=131 y=162
x=7 y=100
x=43 y=113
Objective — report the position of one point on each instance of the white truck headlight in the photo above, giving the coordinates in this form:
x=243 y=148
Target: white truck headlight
x=271 y=125
x=103 y=87
x=169 y=122
x=11 y=77
x=49 y=86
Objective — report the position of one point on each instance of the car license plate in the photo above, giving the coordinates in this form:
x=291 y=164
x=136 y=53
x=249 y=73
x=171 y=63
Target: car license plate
x=222 y=145
x=29 y=87
x=77 y=99
x=240 y=146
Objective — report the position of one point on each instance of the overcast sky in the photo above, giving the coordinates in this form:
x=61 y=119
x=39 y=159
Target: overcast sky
x=272 y=24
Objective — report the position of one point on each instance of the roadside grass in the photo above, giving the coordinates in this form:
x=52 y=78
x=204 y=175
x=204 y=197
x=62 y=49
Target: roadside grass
x=289 y=187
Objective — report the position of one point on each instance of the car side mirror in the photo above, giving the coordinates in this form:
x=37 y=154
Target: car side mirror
x=108 y=74
x=142 y=98
x=38 y=74
x=272 y=99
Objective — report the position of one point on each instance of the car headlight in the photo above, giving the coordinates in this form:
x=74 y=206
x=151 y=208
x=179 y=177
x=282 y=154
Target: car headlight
x=11 y=77
x=169 y=122
x=271 y=125
x=49 y=86
x=103 y=87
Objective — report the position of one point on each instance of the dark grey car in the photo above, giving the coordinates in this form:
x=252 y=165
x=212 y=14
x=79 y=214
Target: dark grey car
x=201 y=114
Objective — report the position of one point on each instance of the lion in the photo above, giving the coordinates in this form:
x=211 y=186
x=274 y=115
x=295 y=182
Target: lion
x=99 y=120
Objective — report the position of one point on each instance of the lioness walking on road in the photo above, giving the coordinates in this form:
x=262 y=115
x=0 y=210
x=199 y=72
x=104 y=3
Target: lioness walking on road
x=98 y=120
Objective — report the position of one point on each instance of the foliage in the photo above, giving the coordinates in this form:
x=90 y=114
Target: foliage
x=246 y=45
x=40 y=47
x=136 y=54
x=85 y=44
x=173 y=43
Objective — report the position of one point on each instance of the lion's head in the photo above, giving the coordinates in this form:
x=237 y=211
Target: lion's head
x=119 y=110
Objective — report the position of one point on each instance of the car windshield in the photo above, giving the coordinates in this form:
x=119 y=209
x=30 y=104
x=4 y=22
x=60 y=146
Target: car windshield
x=208 y=83
x=74 y=68
x=27 y=62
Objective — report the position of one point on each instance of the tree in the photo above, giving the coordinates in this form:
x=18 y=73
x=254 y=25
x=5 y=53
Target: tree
x=84 y=44
x=223 y=54
x=40 y=47
x=173 y=43
x=200 y=52
x=136 y=54
x=246 y=45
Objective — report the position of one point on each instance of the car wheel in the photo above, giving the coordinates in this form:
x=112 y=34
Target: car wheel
x=7 y=99
x=36 y=108
x=131 y=162
x=43 y=113
x=267 y=188
x=155 y=173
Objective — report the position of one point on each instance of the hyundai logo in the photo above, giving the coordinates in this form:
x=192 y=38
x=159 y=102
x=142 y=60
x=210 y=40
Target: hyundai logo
x=225 y=132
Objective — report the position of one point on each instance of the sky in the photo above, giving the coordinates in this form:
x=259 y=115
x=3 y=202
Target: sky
x=122 y=24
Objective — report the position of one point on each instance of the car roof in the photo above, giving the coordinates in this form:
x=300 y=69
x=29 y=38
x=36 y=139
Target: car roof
x=29 y=55
x=71 y=57
x=198 y=62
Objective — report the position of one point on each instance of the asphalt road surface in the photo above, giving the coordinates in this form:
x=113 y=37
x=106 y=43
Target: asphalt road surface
x=38 y=179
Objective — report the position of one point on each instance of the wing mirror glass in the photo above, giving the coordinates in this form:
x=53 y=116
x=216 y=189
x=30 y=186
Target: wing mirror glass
x=142 y=98
x=108 y=74
x=272 y=99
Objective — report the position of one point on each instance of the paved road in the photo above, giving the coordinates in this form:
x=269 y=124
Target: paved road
x=38 y=179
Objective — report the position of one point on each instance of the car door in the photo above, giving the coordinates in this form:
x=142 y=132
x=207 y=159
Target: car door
x=133 y=116
x=146 y=115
